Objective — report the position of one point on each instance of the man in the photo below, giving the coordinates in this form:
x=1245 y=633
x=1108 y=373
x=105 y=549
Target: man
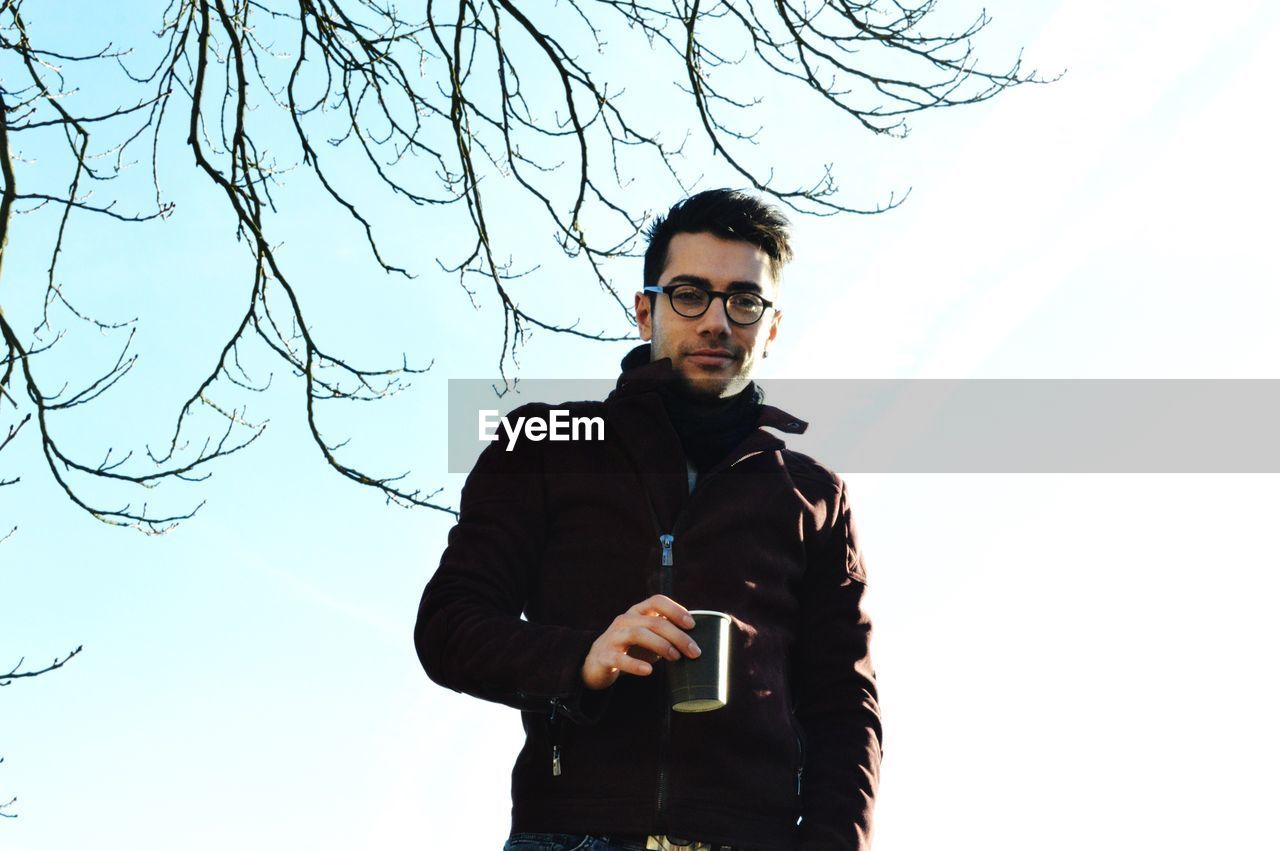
x=605 y=546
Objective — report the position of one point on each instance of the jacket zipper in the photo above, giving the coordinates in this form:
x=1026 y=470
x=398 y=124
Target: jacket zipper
x=666 y=541
x=553 y=730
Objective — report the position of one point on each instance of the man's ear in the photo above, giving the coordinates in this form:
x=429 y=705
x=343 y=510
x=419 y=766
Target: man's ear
x=644 y=316
x=773 y=327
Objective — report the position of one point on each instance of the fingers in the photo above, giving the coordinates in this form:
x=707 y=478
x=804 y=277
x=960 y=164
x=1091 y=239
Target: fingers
x=605 y=664
x=660 y=604
x=630 y=665
x=637 y=638
x=652 y=633
x=641 y=653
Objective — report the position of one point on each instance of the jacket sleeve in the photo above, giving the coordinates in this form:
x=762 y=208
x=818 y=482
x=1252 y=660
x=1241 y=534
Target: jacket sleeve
x=835 y=693
x=469 y=634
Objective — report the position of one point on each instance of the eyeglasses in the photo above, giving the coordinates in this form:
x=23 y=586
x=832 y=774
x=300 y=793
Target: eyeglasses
x=742 y=308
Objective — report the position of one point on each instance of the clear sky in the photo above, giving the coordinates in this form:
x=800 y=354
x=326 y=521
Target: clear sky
x=1064 y=661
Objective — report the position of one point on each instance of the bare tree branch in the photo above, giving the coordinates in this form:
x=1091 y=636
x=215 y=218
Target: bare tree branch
x=15 y=674
x=473 y=106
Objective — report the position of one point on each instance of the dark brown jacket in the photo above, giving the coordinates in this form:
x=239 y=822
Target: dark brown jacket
x=568 y=533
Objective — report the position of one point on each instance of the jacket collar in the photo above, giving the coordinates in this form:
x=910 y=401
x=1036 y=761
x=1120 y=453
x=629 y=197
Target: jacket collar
x=638 y=415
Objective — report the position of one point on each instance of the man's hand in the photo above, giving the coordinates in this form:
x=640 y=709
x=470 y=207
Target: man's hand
x=636 y=638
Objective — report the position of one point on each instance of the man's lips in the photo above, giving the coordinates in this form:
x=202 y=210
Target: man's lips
x=711 y=357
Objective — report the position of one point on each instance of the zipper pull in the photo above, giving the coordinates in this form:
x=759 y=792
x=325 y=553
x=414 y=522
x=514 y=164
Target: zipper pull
x=553 y=728
x=667 y=541
x=800 y=767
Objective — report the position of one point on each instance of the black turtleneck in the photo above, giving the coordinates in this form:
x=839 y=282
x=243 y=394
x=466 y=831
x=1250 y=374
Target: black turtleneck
x=708 y=428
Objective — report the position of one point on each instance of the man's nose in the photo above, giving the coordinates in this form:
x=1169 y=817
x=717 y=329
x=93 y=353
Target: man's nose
x=715 y=320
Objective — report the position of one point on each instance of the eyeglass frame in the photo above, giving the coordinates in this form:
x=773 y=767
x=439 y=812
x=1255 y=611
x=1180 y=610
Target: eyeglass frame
x=712 y=296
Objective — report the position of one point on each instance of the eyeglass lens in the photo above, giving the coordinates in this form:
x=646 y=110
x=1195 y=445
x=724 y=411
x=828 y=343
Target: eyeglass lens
x=743 y=308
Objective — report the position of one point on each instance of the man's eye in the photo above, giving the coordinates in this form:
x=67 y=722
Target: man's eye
x=688 y=296
x=746 y=301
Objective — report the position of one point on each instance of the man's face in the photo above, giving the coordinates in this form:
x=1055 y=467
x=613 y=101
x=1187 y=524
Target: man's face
x=713 y=356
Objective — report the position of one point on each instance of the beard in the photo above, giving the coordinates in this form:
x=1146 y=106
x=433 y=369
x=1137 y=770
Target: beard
x=709 y=387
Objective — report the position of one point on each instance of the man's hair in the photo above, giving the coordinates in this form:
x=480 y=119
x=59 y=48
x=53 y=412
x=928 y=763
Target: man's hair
x=725 y=213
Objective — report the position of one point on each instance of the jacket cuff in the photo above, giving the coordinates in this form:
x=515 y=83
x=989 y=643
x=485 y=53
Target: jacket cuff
x=581 y=704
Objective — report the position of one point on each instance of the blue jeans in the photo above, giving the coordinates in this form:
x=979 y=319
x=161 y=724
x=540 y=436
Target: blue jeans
x=566 y=842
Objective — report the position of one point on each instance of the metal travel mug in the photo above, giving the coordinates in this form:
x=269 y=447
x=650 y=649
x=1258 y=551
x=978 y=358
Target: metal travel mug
x=702 y=684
